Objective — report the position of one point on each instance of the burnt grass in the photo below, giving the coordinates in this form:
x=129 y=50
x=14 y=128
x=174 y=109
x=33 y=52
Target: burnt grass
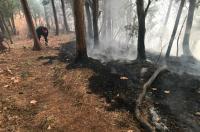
x=177 y=108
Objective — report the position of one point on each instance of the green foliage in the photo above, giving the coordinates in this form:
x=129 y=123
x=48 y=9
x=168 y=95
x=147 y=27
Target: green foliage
x=9 y=7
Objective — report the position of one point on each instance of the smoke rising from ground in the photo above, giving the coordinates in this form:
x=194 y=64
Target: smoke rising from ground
x=121 y=46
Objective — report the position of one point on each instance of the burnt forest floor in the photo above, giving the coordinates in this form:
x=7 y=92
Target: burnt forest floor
x=38 y=93
x=46 y=91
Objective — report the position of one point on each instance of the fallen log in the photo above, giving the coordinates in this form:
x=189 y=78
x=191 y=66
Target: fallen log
x=144 y=123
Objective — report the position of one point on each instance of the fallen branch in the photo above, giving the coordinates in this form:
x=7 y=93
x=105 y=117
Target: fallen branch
x=148 y=127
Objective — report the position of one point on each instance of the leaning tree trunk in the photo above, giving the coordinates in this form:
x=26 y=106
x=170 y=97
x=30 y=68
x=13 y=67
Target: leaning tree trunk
x=64 y=16
x=175 y=28
x=141 y=32
x=37 y=45
x=81 y=51
x=55 y=16
x=186 y=47
x=6 y=28
x=89 y=19
x=95 y=10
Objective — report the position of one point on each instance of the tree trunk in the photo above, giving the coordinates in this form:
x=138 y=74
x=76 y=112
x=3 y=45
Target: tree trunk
x=81 y=51
x=55 y=17
x=64 y=16
x=186 y=47
x=175 y=28
x=6 y=28
x=37 y=45
x=46 y=17
x=13 y=24
x=141 y=32
x=2 y=27
x=168 y=13
x=10 y=25
x=95 y=21
x=104 y=22
x=109 y=20
x=89 y=19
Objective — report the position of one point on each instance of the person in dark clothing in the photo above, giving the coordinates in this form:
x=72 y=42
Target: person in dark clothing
x=42 y=31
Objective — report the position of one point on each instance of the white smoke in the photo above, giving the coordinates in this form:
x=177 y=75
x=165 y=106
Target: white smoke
x=122 y=47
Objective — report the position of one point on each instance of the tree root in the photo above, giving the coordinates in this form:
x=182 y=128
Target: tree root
x=144 y=123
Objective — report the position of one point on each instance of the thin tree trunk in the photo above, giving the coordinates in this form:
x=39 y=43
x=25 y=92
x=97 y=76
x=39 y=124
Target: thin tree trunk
x=109 y=20
x=46 y=17
x=166 y=21
x=141 y=33
x=104 y=21
x=55 y=17
x=13 y=24
x=64 y=16
x=175 y=28
x=2 y=27
x=89 y=19
x=81 y=51
x=95 y=21
x=186 y=40
x=10 y=25
x=177 y=44
x=27 y=13
x=168 y=12
x=6 y=28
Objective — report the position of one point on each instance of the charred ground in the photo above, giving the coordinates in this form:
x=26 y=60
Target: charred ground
x=89 y=95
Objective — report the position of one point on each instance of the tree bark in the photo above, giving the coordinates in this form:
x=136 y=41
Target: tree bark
x=2 y=27
x=37 y=45
x=81 y=51
x=141 y=32
x=186 y=40
x=55 y=17
x=175 y=28
x=13 y=24
x=89 y=19
x=95 y=21
x=64 y=16
x=6 y=27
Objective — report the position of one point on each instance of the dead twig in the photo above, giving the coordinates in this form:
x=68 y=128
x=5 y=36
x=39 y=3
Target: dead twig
x=9 y=71
x=148 y=127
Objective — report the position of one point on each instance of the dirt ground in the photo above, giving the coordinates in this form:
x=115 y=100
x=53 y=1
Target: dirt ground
x=46 y=91
x=39 y=94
